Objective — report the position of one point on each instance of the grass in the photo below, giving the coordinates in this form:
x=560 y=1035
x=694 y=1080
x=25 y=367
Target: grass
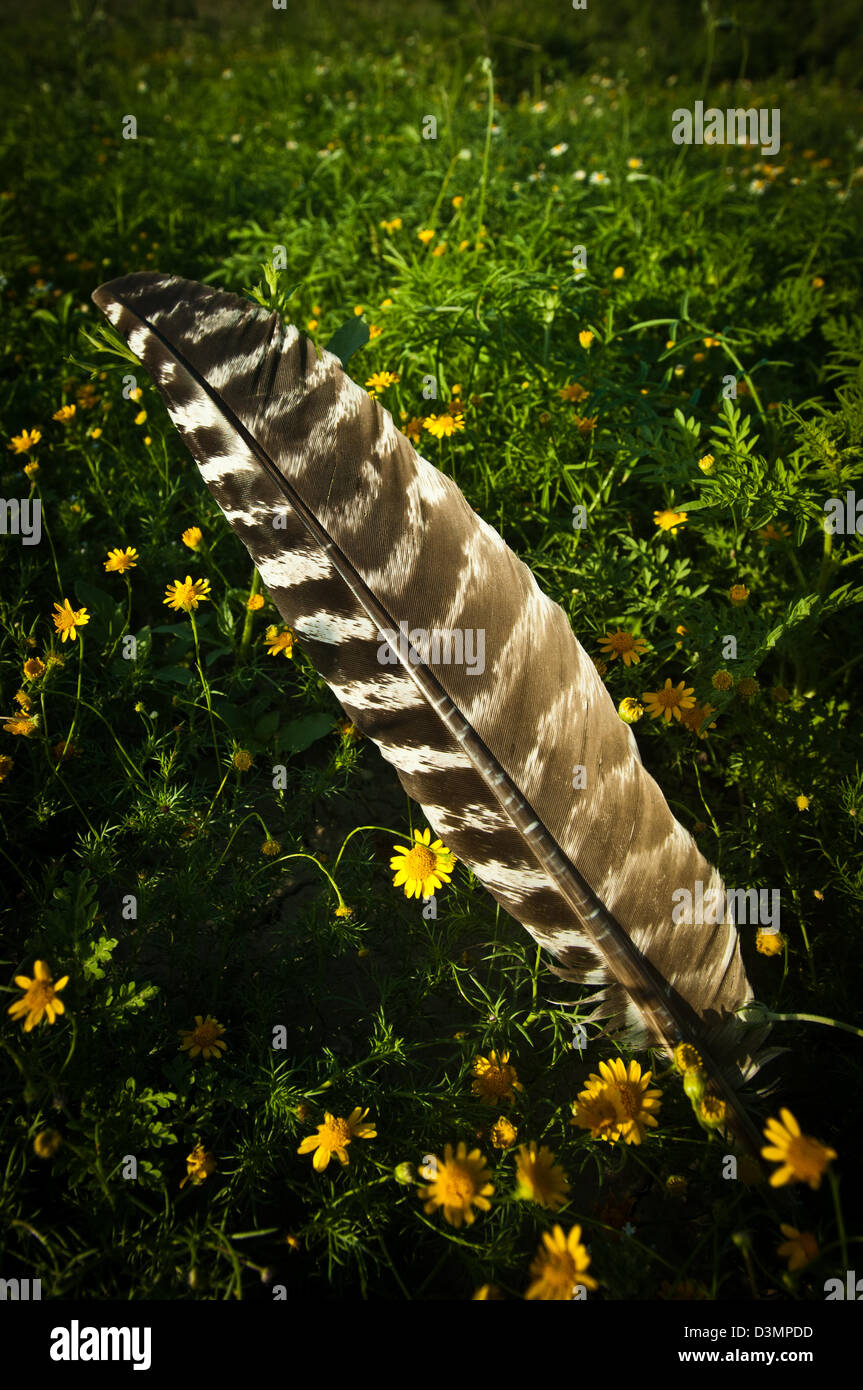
x=167 y=881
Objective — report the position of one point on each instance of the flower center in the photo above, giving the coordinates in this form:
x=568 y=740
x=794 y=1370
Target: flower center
x=457 y=1186
x=337 y=1133
x=806 y=1156
x=629 y=1100
x=420 y=863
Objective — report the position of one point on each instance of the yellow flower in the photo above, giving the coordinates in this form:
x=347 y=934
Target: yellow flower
x=669 y=520
x=414 y=428
x=47 y=1142
x=40 y=997
x=426 y=235
x=494 y=1079
x=503 y=1133
x=671 y=700
x=585 y=337
x=686 y=1057
x=271 y=848
x=23 y=699
x=22 y=727
x=192 y=537
x=486 y=1293
x=458 y=200
x=601 y=666
x=618 y=272
x=205 y=1038
x=242 y=760
x=6 y=766
x=379 y=381
x=66 y=412
x=711 y=1111
x=25 y=441
x=747 y=687
x=769 y=943
x=423 y=867
x=623 y=645
x=618 y=1103
x=634 y=163
x=255 y=601
x=817 y=282
x=540 y=1179
x=803 y=1158
x=186 y=593
x=459 y=1182
x=375 y=331
x=394 y=225
x=676 y=1185
x=200 y=1163
x=137 y=394
x=440 y=249
x=799 y=1247
x=67 y=620
x=279 y=641
x=140 y=417
x=334 y=1135
x=630 y=710
x=349 y=730
x=585 y=423
x=738 y=593
x=95 y=433
x=722 y=680
x=706 y=462
x=802 y=803
x=31 y=469
x=559 y=1267
x=311 y=325
x=358 y=309
x=122 y=560
x=574 y=392
x=344 y=911
x=440 y=425
x=694 y=718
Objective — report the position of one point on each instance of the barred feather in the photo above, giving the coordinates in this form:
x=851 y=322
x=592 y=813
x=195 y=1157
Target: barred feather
x=354 y=534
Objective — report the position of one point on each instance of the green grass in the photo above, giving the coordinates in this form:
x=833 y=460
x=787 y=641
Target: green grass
x=254 y=143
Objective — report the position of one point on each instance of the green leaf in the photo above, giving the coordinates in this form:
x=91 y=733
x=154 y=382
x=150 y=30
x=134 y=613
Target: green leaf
x=300 y=734
x=352 y=335
x=179 y=674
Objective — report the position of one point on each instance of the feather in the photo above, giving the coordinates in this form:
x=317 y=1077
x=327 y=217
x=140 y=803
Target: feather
x=367 y=551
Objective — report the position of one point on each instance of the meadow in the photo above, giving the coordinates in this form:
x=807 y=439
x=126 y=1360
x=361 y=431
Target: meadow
x=233 y=1051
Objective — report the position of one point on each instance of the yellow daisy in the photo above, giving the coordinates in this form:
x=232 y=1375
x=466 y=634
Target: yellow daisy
x=119 y=561
x=280 y=641
x=47 y=1142
x=34 y=668
x=619 y=1103
x=379 y=381
x=803 y=1158
x=623 y=645
x=585 y=337
x=25 y=441
x=334 y=1135
x=769 y=943
x=671 y=700
x=695 y=716
x=443 y=425
x=422 y=867
x=669 y=520
x=65 y=413
x=574 y=392
x=6 y=766
x=200 y=1163
x=186 y=593
x=503 y=1134
x=560 y=1266
x=205 y=1038
x=22 y=727
x=40 y=997
x=459 y=1182
x=799 y=1248
x=192 y=537
x=630 y=710
x=67 y=620
x=540 y=1178
x=495 y=1080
